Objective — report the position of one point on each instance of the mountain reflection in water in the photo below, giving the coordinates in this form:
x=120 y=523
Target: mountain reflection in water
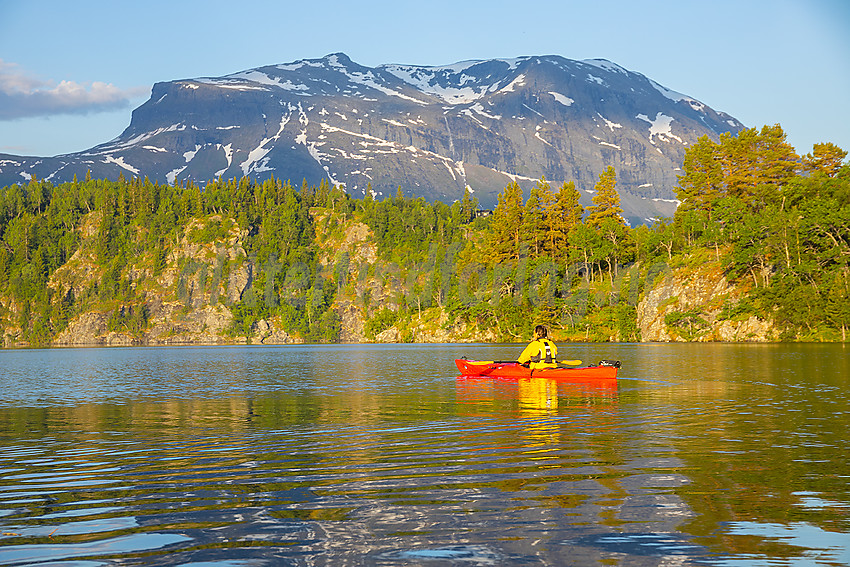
x=381 y=455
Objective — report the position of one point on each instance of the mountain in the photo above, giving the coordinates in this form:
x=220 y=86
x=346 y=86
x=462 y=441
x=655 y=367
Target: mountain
x=433 y=131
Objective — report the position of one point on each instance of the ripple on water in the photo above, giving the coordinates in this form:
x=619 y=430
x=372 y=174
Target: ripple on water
x=381 y=455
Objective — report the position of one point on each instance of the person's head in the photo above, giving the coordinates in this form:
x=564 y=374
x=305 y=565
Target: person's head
x=540 y=332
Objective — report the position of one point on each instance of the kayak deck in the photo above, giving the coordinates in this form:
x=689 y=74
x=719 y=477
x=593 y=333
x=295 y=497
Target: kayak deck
x=604 y=371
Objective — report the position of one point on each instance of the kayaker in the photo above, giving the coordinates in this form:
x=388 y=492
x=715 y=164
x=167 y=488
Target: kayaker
x=541 y=352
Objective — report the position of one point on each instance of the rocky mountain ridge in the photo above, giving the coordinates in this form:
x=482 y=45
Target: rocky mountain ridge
x=433 y=131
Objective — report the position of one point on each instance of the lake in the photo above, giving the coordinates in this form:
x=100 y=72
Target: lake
x=716 y=454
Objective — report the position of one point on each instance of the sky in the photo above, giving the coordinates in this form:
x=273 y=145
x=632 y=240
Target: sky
x=71 y=72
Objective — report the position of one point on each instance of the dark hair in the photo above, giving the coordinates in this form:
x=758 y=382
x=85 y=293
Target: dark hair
x=540 y=332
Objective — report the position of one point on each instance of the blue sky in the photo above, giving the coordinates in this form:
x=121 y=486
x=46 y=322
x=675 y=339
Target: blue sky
x=72 y=71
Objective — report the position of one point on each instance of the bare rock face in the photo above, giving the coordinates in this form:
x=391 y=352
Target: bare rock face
x=187 y=303
x=751 y=329
x=87 y=329
x=357 y=240
x=240 y=279
x=351 y=323
x=279 y=337
x=391 y=335
x=687 y=305
x=268 y=333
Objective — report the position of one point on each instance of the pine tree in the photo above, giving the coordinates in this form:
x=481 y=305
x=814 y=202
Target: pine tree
x=562 y=215
x=753 y=159
x=468 y=206
x=606 y=201
x=533 y=218
x=702 y=183
x=507 y=224
x=825 y=158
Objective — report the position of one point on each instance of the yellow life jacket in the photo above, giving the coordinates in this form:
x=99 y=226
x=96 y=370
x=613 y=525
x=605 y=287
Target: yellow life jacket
x=545 y=357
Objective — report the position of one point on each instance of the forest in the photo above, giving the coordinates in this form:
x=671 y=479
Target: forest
x=776 y=222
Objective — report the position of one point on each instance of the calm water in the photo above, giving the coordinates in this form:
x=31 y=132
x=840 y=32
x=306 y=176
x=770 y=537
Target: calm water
x=729 y=455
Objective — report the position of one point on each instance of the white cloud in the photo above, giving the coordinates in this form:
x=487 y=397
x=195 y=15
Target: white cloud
x=24 y=96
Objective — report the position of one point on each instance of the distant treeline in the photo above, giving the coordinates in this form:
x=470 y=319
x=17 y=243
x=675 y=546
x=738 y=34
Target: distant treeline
x=777 y=221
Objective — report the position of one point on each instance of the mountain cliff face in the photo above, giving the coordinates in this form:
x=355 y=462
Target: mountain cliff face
x=433 y=131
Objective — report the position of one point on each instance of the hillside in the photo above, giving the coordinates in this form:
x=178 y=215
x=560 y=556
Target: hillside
x=759 y=257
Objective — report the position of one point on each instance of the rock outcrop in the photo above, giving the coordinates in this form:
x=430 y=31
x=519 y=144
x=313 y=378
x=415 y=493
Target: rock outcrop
x=186 y=302
x=689 y=305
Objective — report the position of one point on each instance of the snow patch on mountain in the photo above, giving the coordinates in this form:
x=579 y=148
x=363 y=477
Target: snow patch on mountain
x=513 y=64
x=368 y=79
x=534 y=111
x=539 y=137
x=366 y=139
x=517 y=82
x=190 y=155
x=477 y=107
x=228 y=155
x=679 y=97
x=171 y=176
x=517 y=178
x=252 y=163
x=231 y=83
x=138 y=139
x=256 y=76
x=660 y=127
x=455 y=84
x=119 y=161
x=427 y=80
x=610 y=145
x=605 y=65
x=611 y=125
x=668 y=93
x=257 y=162
x=563 y=99
x=395 y=123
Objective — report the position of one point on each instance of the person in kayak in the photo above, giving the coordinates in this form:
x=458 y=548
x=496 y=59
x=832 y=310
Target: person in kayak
x=541 y=352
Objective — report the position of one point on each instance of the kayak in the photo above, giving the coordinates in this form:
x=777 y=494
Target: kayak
x=605 y=370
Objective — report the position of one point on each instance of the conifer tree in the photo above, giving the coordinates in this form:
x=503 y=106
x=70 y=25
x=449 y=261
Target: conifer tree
x=753 y=159
x=562 y=216
x=533 y=218
x=606 y=201
x=702 y=183
x=507 y=224
x=469 y=205
x=825 y=158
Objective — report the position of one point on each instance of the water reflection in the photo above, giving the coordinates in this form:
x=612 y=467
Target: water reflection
x=381 y=456
x=29 y=554
x=797 y=542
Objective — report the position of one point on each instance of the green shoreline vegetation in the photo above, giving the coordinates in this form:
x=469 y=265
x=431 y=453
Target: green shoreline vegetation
x=776 y=223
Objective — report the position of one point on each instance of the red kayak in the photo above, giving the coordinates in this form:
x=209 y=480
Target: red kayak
x=606 y=370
